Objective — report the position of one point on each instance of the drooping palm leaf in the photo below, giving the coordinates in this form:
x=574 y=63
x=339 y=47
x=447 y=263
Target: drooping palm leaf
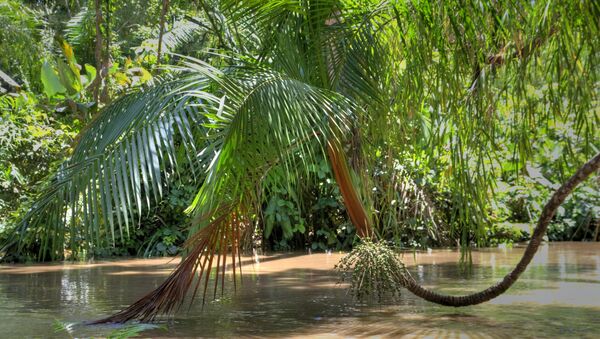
x=182 y=32
x=120 y=165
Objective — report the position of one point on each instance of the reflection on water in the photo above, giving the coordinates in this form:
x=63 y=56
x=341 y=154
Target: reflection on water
x=296 y=295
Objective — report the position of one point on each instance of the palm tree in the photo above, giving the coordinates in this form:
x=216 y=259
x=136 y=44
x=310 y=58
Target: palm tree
x=296 y=80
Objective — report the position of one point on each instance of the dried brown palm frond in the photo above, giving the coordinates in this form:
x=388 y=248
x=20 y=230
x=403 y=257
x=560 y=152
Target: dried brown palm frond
x=218 y=239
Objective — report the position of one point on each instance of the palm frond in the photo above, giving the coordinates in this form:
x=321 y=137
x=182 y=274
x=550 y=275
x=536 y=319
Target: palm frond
x=80 y=28
x=183 y=32
x=266 y=115
x=268 y=120
x=121 y=164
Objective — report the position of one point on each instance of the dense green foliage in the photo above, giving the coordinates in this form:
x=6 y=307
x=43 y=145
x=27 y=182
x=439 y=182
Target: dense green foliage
x=32 y=141
x=458 y=121
x=22 y=40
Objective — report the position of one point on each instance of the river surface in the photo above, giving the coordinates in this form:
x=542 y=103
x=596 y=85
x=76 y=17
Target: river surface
x=297 y=295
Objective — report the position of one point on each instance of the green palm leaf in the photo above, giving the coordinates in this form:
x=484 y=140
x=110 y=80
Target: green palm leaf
x=121 y=164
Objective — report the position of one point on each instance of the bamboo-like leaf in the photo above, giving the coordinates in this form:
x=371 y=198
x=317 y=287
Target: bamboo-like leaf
x=134 y=174
x=124 y=176
x=119 y=183
x=143 y=165
x=114 y=188
x=105 y=196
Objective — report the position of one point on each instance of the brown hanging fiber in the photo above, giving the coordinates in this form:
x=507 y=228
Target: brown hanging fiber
x=222 y=233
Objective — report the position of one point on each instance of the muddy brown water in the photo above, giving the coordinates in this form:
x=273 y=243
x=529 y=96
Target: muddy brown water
x=296 y=295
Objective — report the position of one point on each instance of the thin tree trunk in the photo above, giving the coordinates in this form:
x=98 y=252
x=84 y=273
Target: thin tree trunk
x=493 y=291
x=214 y=24
x=163 y=14
x=98 y=51
x=106 y=62
x=68 y=8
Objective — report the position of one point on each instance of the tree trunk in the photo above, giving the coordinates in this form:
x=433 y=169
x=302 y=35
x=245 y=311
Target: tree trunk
x=106 y=61
x=68 y=8
x=163 y=14
x=98 y=51
x=215 y=26
x=493 y=291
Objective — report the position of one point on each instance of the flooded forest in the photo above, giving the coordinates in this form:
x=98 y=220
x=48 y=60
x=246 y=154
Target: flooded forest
x=299 y=168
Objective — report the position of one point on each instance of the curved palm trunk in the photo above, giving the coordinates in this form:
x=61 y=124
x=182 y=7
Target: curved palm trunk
x=493 y=291
x=358 y=216
x=210 y=241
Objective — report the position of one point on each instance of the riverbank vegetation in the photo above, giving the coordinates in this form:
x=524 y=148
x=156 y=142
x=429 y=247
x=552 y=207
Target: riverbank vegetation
x=470 y=160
